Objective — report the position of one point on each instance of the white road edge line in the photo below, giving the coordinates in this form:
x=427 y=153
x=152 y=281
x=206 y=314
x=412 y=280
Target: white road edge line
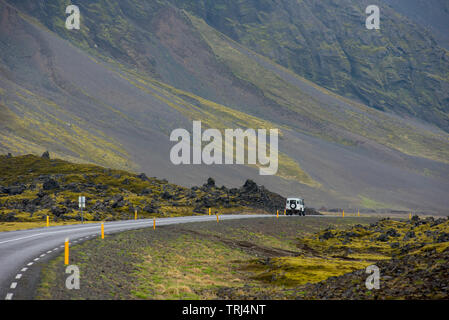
x=18 y=276
x=125 y=224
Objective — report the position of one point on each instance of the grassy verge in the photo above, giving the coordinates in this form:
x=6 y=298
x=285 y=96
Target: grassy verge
x=254 y=258
x=14 y=226
x=264 y=258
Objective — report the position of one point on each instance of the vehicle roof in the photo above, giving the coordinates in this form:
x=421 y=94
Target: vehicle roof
x=294 y=199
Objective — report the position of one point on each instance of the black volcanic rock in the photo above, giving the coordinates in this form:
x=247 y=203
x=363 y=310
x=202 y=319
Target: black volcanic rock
x=210 y=183
x=13 y=190
x=118 y=201
x=151 y=208
x=143 y=177
x=166 y=195
x=50 y=184
x=58 y=211
x=9 y=217
x=200 y=209
x=326 y=236
x=250 y=186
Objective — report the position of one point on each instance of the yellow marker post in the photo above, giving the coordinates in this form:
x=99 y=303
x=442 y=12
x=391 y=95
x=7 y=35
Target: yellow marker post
x=285 y=212
x=154 y=223
x=277 y=213
x=135 y=214
x=209 y=211
x=343 y=214
x=217 y=217
x=48 y=221
x=66 y=251
x=358 y=213
x=102 y=230
x=410 y=216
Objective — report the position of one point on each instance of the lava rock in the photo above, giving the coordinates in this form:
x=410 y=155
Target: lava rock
x=210 y=183
x=394 y=245
x=383 y=237
x=50 y=184
x=326 y=236
x=409 y=235
x=443 y=237
x=58 y=211
x=143 y=177
x=351 y=234
x=9 y=217
x=150 y=209
x=146 y=191
x=392 y=233
x=166 y=195
x=15 y=190
x=199 y=209
x=250 y=186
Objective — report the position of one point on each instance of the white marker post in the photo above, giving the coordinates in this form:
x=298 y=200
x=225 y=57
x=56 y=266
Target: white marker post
x=81 y=205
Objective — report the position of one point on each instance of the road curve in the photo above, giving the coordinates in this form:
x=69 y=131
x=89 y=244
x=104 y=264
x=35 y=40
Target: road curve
x=19 y=250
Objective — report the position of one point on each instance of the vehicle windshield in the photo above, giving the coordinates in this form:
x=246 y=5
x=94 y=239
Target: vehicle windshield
x=299 y=201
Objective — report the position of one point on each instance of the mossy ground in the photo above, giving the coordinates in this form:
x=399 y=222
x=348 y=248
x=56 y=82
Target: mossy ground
x=285 y=258
x=151 y=197
x=229 y=259
x=14 y=226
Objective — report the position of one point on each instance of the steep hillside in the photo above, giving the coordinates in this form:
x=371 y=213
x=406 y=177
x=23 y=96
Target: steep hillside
x=430 y=14
x=399 y=68
x=112 y=92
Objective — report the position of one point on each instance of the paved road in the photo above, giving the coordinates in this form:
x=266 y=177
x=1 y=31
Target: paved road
x=21 y=250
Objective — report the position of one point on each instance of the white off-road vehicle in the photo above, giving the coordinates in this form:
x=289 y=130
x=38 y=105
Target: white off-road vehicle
x=295 y=206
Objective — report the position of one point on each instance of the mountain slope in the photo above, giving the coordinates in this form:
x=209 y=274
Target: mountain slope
x=430 y=14
x=136 y=70
x=399 y=68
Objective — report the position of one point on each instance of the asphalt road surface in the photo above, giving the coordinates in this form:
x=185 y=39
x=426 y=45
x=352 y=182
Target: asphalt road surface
x=22 y=251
